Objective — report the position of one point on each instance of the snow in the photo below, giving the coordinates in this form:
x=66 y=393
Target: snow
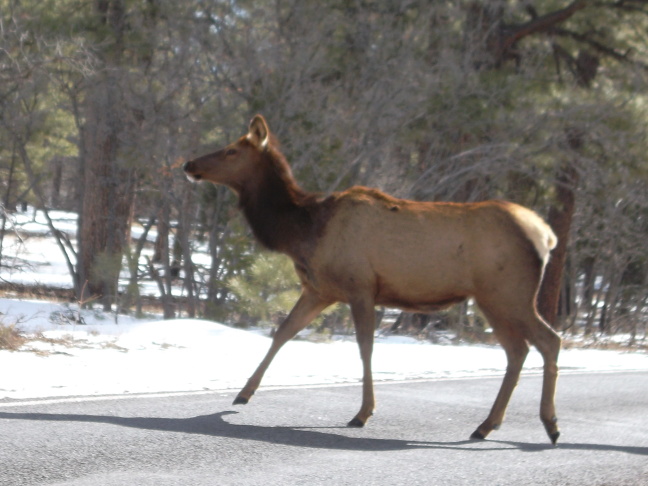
x=30 y=256
x=134 y=356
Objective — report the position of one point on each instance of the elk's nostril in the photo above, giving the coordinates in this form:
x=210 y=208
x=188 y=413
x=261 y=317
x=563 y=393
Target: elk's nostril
x=189 y=169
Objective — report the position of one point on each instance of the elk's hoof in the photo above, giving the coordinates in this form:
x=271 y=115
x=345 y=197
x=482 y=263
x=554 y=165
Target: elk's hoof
x=356 y=422
x=554 y=437
x=240 y=400
x=477 y=435
x=551 y=426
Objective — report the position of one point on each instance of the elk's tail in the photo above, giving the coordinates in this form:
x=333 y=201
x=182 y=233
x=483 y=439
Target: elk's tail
x=537 y=230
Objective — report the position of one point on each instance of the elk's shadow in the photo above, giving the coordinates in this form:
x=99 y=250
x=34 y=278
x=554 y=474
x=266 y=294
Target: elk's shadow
x=313 y=437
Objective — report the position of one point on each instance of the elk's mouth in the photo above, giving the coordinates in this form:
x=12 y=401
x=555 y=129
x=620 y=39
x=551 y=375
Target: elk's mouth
x=193 y=177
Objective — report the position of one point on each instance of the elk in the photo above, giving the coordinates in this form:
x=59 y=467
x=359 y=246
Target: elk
x=366 y=248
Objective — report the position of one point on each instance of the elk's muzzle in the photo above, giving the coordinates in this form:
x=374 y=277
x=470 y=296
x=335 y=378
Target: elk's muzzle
x=190 y=171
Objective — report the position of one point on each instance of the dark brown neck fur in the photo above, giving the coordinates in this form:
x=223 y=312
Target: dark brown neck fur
x=280 y=213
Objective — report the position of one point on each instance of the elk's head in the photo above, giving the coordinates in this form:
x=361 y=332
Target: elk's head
x=236 y=164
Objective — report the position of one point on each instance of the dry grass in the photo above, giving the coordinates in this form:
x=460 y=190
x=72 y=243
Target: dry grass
x=605 y=343
x=67 y=341
x=11 y=338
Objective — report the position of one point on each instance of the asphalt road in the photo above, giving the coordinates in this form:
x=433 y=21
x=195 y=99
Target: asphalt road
x=296 y=436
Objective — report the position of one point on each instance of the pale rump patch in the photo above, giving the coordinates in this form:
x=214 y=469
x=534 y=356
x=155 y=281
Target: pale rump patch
x=539 y=232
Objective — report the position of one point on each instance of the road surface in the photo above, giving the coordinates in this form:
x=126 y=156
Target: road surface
x=296 y=436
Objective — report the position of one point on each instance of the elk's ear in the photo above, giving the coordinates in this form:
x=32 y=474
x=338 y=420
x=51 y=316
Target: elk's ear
x=259 y=132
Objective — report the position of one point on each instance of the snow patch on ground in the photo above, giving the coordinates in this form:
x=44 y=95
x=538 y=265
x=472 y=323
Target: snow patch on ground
x=104 y=357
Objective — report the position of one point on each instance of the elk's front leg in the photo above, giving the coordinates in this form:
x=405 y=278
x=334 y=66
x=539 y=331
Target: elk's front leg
x=364 y=319
x=306 y=309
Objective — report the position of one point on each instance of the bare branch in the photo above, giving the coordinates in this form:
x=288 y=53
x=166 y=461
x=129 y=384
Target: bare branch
x=608 y=51
x=541 y=23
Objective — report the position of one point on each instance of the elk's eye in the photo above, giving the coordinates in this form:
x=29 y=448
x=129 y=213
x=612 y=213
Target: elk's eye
x=230 y=151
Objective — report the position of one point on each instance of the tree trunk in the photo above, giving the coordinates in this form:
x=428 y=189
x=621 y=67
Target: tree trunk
x=6 y=203
x=109 y=178
x=183 y=238
x=589 y=303
x=560 y=219
x=108 y=196
x=56 y=167
x=161 y=247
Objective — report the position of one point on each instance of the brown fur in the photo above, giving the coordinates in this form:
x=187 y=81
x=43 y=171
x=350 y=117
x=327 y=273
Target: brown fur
x=367 y=248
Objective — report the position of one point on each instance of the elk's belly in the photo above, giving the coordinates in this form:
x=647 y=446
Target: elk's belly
x=416 y=296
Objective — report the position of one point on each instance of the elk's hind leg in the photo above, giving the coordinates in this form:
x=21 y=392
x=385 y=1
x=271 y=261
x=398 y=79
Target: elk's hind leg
x=516 y=349
x=305 y=310
x=547 y=341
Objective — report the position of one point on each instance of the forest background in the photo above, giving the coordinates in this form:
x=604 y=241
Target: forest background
x=542 y=102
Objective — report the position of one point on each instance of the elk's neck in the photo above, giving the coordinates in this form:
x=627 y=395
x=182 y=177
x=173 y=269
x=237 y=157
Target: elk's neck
x=279 y=212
